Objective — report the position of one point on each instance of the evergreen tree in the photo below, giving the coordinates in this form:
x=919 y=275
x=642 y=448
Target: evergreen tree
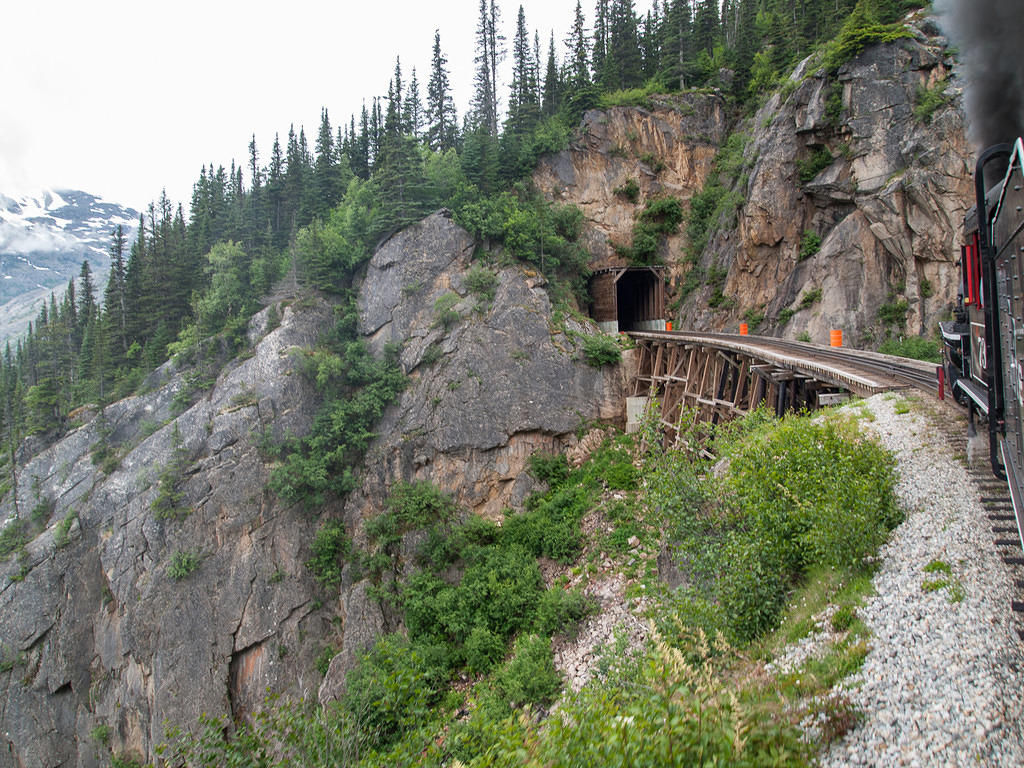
x=86 y=309
x=579 y=70
x=441 y=116
x=412 y=109
x=600 y=48
x=553 y=86
x=677 y=55
x=623 y=64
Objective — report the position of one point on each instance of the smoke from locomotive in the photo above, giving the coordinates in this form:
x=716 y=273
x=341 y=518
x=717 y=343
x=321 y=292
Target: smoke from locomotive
x=988 y=34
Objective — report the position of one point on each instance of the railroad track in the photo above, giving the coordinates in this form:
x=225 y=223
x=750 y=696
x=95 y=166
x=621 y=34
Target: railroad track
x=995 y=498
x=854 y=368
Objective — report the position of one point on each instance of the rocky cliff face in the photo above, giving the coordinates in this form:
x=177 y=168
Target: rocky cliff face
x=843 y=193
x=667 y=149
x=101 y=623
x=887 y=205
x=107 y=630
x=501 y=380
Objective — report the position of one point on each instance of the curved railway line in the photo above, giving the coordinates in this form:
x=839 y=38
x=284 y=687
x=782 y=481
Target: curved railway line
x=860 y=371
x=717 y=372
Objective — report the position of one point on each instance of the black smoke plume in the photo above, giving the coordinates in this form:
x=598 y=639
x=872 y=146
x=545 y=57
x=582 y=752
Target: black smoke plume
x=990 y=35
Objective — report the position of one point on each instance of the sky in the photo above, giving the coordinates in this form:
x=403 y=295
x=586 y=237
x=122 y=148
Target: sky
x=126 y=99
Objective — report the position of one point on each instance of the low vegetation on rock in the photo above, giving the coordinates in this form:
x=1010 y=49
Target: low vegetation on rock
x=472 y=676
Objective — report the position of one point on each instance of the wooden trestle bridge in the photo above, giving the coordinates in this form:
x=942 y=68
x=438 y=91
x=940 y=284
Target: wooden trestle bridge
x=720 y=376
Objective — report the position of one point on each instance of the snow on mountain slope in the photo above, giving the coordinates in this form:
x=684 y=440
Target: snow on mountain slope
x=44 y=238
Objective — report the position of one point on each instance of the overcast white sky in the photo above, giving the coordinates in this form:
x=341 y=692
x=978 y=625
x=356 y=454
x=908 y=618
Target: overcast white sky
x=124 y=98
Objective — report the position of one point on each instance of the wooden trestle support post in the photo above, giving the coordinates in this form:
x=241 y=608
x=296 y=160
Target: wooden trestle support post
x=715 y=385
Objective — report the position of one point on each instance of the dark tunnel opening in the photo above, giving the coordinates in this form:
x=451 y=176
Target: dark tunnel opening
x=636 y=297
x=628 y=299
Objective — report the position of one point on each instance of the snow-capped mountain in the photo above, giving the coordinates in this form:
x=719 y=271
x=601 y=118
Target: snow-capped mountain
x=44 y=238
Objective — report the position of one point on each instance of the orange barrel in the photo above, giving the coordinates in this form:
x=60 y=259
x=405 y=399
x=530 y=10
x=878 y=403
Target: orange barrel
x=668 y=325
x=835 y=337
x=743 y=329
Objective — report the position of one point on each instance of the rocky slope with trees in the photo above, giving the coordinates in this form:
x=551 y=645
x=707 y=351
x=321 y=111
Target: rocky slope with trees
x=347 y=484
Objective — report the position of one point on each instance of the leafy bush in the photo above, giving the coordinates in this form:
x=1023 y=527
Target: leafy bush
x=392 y=688
x=482 y=282
x=551 y=527
x=13 y=537
x=61 y=532
x=862 y=28
x=810 y=244
x=914 y=347
x=530 y=677
x=330 y=546
x=894 y=311
x=601 y=349
x=167 y=504
x=809 y=299
x=559 y=611
x=716 y=204
x=928 y=100
x=183 y=564
x=549 y=468
x=445 y=314
x=498 y=592
x=630 y=190
x=811 y=166
x=356 y=388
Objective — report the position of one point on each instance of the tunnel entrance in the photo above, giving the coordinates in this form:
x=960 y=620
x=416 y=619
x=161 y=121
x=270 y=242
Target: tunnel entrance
x=628 y=299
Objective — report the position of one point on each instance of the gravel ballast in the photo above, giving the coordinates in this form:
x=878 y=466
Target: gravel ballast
x=943 y=682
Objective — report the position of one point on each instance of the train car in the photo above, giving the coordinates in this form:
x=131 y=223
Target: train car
x=984 y=344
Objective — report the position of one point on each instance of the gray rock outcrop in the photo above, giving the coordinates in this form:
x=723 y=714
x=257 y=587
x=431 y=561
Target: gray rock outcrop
x=117 y=623
x=499 y=381
x=887 y=207
x=107 y=637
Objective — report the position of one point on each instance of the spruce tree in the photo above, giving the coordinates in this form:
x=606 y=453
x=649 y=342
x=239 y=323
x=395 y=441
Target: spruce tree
x=441 y=117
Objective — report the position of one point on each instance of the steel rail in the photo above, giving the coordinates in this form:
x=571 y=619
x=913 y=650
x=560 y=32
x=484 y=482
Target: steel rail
x=850 y=368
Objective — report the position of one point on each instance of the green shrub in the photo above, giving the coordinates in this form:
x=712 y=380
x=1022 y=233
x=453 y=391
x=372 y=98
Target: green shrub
x=61 y=532
x=445 y=314
x=601 y=349
x=862 y=28
x=630 y=190
x=13 y=537
x=356 y=389
x=551 y=526
x=811 y=166
x=549 y=468
x=810 y=244
x=323 y=659
x=482 y=282
x=843 y=618
x=785 y=315
x=392 y=688
x=754 y=318
x=663 y=215
x=183 y=564
x=928 y=100
x=529 y=677
x=809 y=299
x=914 y=347
x=330 y=547
x=167 y=504
x=894 y=311
x=483 y=649
x=559 y=611
x=716 y=204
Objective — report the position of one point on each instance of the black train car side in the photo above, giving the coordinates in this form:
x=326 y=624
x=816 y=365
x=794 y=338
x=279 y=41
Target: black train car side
x=984 y=344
